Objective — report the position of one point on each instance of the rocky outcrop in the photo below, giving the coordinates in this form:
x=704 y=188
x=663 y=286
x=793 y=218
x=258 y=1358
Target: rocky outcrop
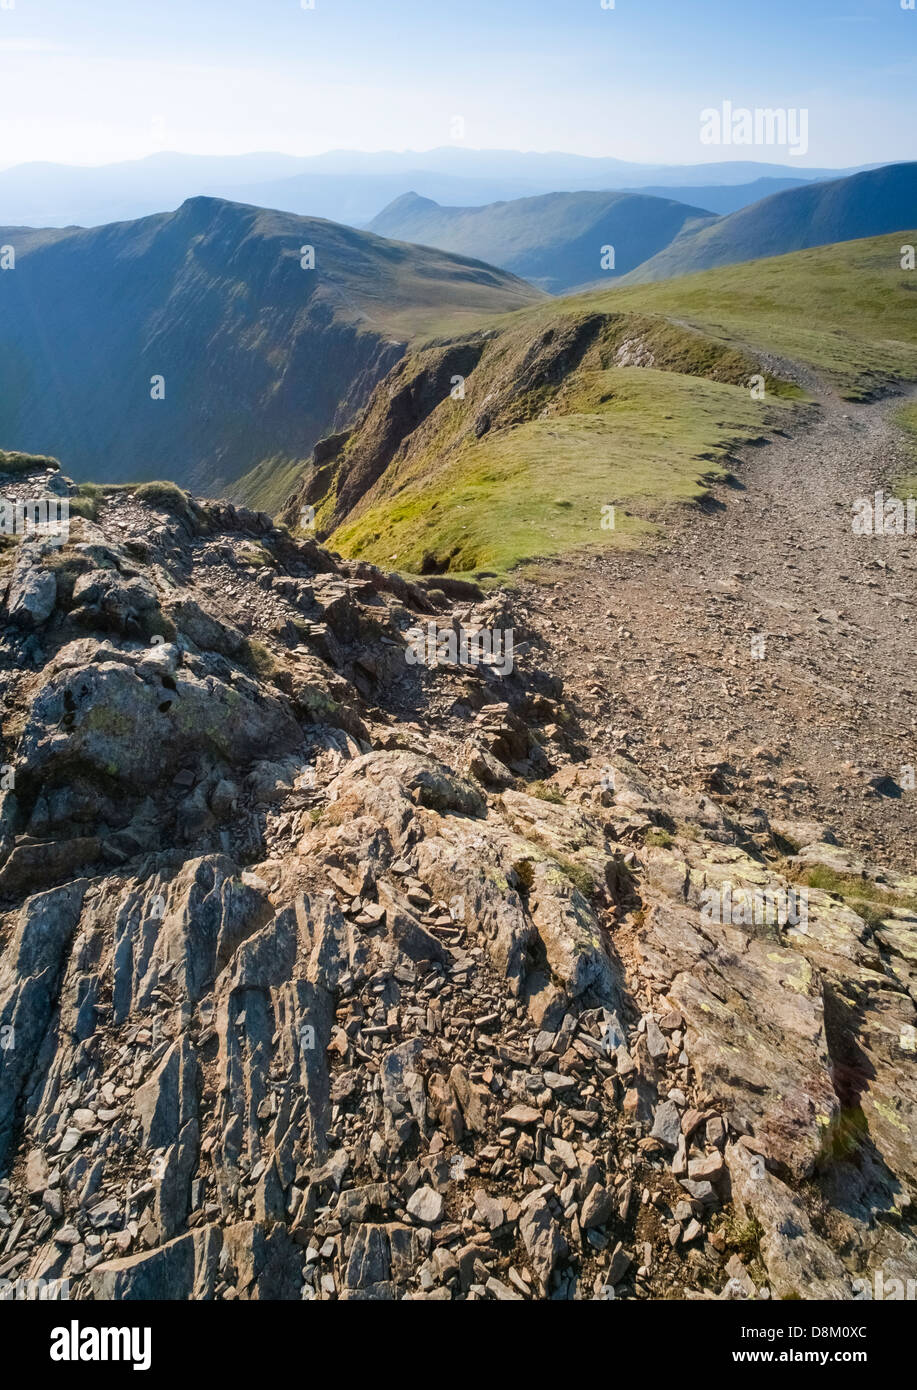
x=301 y=997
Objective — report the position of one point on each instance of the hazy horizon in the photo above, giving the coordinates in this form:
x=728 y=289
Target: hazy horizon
x=731 y=155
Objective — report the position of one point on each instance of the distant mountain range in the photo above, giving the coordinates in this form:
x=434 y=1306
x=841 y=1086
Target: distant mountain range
x=556 y=241
x=864 y=205
x=259 y=356
x=352 y=187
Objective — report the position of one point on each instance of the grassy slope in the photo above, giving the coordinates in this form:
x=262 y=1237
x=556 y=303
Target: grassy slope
x=817 y=214
x=906 y=417
x=636 y=437
x=269 y=483
x=849 y=310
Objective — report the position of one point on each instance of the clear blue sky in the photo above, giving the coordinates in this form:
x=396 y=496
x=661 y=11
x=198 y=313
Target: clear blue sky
x=109 y=79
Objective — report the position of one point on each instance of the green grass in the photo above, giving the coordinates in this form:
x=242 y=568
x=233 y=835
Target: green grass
x=546 y=793
x=658 y=838
x=578 y=875
x=640 y=440
x=260 y=660
x=90 y=496
x=160 y=493
x=15 y=462
x=868 y=899
x=906 y=418
x=267 y=486
x=848 y=310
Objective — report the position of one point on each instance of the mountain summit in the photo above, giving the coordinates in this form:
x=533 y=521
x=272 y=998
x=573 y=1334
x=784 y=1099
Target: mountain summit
x=556 y=241
x=199 y=343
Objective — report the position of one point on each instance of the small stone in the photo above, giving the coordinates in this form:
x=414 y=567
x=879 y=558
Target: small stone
x=521 y=1115
x=667 y=1125
x=656 y=1044
x=488 y=1211
x=716 y=1132
x=70 y=1140
x=501 y=1291
x=620 y=1264
x=597 y=1208
x=711 y=1167
x=52 y=1202
x=425 y=1205
x=36 y=1173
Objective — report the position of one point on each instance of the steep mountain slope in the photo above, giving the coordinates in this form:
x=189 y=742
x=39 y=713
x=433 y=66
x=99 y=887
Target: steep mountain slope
x=259 y=357
x=632 y=399
x=556 y=241
x=868 y=204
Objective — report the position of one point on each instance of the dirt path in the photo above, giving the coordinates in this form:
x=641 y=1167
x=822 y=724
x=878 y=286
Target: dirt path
x=659 y=646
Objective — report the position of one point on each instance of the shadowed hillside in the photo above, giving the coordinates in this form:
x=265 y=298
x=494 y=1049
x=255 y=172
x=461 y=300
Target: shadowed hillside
x=259 y=356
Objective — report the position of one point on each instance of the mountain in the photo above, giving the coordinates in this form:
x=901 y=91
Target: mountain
x=555 y=169
x=345 y=186
x=259 y=356
x=867 y=204
x=555 y=241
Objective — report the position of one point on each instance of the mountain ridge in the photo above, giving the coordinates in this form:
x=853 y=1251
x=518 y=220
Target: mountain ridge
x=260 y=354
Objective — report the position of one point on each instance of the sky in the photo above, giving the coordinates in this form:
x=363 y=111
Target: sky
x=105 y=80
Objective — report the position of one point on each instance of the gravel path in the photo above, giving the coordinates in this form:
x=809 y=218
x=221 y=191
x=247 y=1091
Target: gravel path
x=659 y=645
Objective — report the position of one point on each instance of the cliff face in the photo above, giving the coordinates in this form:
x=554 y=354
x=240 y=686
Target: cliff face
x=327 y=973
x=195 y=345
